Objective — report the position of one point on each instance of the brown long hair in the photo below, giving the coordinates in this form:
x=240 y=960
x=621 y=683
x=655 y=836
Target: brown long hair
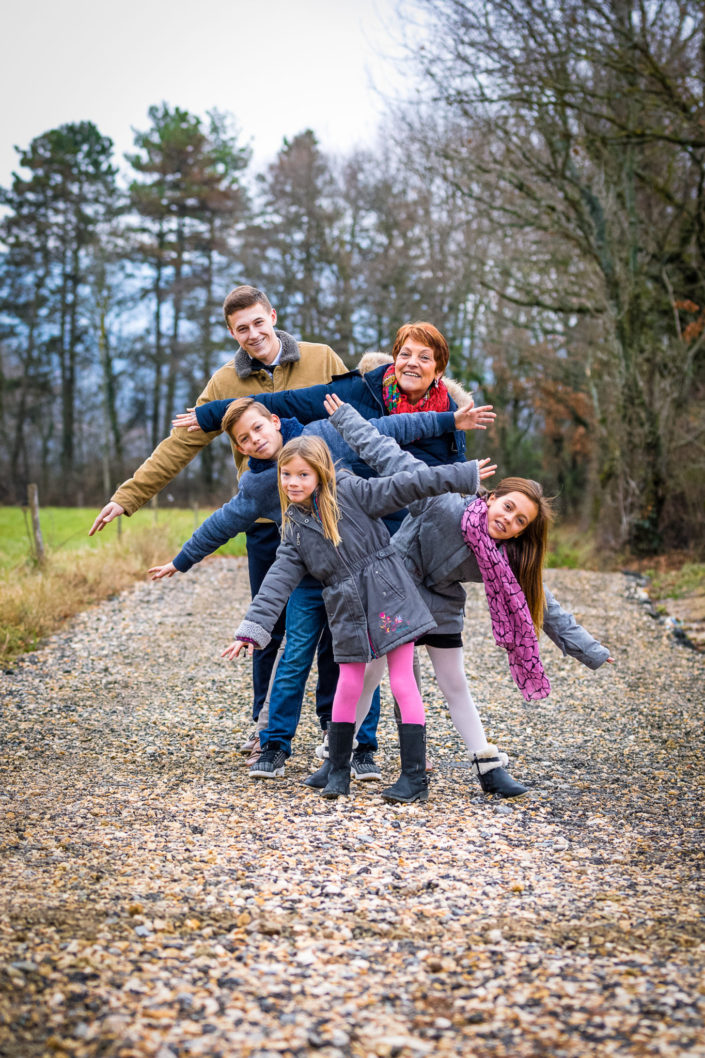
x=527 y=552
x=317 y=454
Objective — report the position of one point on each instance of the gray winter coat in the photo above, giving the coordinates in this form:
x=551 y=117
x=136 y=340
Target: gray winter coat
x=431 y=544
x=371 y=601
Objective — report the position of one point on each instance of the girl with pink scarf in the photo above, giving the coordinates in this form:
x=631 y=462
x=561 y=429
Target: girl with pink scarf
x=501 y=540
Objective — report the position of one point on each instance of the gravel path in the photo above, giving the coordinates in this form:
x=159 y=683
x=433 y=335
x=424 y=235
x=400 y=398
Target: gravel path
x=157 y=901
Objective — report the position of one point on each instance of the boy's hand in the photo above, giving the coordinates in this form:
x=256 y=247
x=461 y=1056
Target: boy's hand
x=186 y=420
x=472 y=418
x=232 y=651
x=332 y=402
x=485 y=471
x=163 y=571
x=110 y=511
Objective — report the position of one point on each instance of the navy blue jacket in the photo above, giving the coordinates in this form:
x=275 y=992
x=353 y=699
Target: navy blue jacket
x=364 y=392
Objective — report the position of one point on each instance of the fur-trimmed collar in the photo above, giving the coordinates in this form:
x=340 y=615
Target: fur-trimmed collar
x=246 y=365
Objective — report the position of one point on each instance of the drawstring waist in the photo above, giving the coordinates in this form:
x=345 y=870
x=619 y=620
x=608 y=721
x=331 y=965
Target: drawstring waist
x=351 y=568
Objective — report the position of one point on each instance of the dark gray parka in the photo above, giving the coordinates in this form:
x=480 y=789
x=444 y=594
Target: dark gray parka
x=372 y=603
x=431 y=544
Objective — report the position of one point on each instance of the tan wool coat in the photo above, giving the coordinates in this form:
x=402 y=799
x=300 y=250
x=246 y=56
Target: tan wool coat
x=302 y=364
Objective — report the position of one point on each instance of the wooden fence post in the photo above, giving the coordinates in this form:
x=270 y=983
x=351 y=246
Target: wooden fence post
x=33 y=501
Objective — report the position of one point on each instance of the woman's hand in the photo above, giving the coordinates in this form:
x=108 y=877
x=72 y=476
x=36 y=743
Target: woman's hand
x=232 y=651
x=163 y=571
x=332 y=402
x=485 y=470
x=186 y=420
x=472 y=418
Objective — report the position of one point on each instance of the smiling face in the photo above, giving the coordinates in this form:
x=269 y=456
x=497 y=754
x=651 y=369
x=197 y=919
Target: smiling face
x=415 y=369
x=509 y=515
x=253 y=328
x=257 y=436
x=298 y=480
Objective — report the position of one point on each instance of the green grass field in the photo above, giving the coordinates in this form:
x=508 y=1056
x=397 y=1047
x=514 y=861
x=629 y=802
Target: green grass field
x=66 y=529
x=79 y=570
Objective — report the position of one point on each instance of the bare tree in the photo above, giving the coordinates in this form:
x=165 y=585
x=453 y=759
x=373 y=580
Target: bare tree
x=575 y=133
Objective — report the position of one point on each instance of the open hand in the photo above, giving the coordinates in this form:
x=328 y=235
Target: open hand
x=332 y=402
x=485 y=470
x=232 y=651
x=162 y=571
x=186 y=420
x=472 y=418
x=110 y=511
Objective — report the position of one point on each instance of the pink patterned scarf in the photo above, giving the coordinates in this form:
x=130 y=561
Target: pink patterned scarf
x=512 y=626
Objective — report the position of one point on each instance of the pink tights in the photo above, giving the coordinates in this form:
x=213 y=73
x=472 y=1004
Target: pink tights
x=401 y=681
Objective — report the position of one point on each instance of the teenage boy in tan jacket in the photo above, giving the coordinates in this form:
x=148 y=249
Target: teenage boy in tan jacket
x=267 y=360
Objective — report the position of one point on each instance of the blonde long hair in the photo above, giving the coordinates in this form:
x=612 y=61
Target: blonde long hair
x=527 y=552
x=316 y=453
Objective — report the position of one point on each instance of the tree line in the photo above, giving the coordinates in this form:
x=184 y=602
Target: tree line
x=541 y=199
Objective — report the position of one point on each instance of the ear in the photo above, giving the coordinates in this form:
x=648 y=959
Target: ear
x=274 y=317
x=277 y=422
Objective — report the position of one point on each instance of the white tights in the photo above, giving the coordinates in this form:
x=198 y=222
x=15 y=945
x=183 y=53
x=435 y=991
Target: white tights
x=450 y=674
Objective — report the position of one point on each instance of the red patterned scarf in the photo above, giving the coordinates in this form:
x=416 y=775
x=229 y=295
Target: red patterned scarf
x=512 y=626
x=436 y=397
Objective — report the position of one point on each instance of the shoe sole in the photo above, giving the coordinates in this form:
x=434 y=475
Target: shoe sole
x=423 y=796
x=276 y=774
x=366 y=776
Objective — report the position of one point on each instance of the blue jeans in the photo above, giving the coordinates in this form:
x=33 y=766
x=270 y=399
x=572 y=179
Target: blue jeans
x=306 y=625
x=263 y=539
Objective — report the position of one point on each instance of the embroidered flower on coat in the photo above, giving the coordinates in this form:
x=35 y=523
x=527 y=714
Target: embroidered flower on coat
x=388 y=624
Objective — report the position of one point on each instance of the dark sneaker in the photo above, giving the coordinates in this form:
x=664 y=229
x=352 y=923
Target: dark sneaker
x=270 y=764
x=249 y=742
x=362 y=766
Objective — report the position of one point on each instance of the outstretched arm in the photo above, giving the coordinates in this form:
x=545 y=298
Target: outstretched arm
x=306 y=405
x=282 y=577
x=380 y=496
x=256 y=498
x=383 y=454
x=570 y=637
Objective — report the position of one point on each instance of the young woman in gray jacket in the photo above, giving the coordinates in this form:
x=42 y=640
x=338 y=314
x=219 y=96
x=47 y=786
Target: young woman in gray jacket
x=500 y=541
x=331 y=528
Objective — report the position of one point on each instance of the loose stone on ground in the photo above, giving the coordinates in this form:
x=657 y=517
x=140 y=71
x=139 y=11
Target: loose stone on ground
x=158 y=901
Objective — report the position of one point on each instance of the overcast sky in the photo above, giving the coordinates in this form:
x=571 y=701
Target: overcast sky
x=278 y=65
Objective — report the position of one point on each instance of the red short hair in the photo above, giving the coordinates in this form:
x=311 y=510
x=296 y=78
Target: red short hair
x=429 y=335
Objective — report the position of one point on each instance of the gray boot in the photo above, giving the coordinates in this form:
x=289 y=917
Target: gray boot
x=494 y=779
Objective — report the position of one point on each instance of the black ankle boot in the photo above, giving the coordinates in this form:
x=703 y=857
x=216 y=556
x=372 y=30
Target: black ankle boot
x=319 y=779
x=340 y=744
x=412 y=784
x=494 y=779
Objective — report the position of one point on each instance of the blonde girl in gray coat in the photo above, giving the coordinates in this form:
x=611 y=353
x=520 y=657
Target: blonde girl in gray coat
x=331 y=528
